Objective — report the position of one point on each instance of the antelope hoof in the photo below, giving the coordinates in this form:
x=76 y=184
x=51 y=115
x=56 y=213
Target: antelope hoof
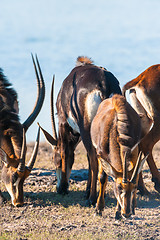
x=98 y=212
x=90 y=202
x=63 y=189
x=133 y=212
x=156 y=184
x=126 y=215
x=2 y=200
x=19 y=205
x=118 y=215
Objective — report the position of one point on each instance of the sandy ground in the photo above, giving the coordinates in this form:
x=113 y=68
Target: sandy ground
x=48 y=215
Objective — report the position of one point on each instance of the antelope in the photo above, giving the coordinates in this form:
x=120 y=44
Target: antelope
x=115 y=134
x=77 y=102
x=144 y=93
x=12 y=137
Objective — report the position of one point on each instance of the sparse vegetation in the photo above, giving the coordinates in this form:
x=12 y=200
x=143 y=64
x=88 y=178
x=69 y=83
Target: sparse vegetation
x=48 y=215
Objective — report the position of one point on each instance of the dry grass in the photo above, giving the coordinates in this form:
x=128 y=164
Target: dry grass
x=47 y=215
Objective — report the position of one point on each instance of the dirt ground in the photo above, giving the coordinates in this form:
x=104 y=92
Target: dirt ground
x=48 y=215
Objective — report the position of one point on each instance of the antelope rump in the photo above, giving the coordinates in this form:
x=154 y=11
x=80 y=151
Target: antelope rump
x=12 y=137
x=78 y=99
x=115 y=133
x=145 y=99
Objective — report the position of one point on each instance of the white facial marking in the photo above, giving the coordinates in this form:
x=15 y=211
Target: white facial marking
x=9 y=189
x=10 y=193
x=17 y=182
x=122 y=197
x=59 y=176
x=72 y=123
x=93 y=100
x=119 y=200
x=123 y=194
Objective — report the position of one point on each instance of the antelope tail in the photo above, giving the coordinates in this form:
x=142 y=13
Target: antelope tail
x=83 y=60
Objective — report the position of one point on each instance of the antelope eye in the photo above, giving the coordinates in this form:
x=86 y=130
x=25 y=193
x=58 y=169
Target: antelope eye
x=119 y=187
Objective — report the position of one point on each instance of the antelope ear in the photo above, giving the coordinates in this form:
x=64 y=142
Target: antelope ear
x=48 y=137
x=3 y=157
x=142 y=163
x=9 y=132
x=107 y=167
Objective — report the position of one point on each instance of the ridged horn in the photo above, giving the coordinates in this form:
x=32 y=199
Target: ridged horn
x=35 y=151
x=40 y=95
x=21 y=166
x=52 y=110
x=124 y=180
x=135 y=172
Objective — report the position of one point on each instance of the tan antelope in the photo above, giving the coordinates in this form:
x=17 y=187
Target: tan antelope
x=145 y=99
x=79 y=97
x=115 y=133
x=12 y=137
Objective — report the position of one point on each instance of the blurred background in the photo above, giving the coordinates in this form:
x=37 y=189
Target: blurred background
x=123 y=36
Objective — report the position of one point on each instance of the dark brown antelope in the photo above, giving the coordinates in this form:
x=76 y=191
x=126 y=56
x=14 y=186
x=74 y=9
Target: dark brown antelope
x=12 y=137
x=145 y=99
x=77 y=102
x=115 y=133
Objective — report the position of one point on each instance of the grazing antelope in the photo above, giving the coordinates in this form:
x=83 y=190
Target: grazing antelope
x=145 y=99
x=115 y=133
x=12 y=137
x=77 y=103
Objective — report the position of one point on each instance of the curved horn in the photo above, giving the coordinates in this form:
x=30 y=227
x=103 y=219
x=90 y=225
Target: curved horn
x=135 y=172
x=21 y=166
x=34 y=154
x=40 y=96
x=125 y=169
x=52 y=110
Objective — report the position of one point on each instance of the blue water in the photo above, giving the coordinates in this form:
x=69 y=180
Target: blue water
x=121 y=35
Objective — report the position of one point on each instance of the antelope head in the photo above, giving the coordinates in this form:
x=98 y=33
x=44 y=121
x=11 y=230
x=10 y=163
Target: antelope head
x=13 y=141
x=53 y=141
x=125 y=187
x=15 y=172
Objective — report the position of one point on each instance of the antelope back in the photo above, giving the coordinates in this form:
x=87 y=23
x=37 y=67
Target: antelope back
x=147 y=89
x=128 y=125
x=115 y=130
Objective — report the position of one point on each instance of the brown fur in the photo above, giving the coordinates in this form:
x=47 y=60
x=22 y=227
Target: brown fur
x=73 y=121
x=82 y=60
x=114 y=131
x=148 y=82
x=12 y=134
